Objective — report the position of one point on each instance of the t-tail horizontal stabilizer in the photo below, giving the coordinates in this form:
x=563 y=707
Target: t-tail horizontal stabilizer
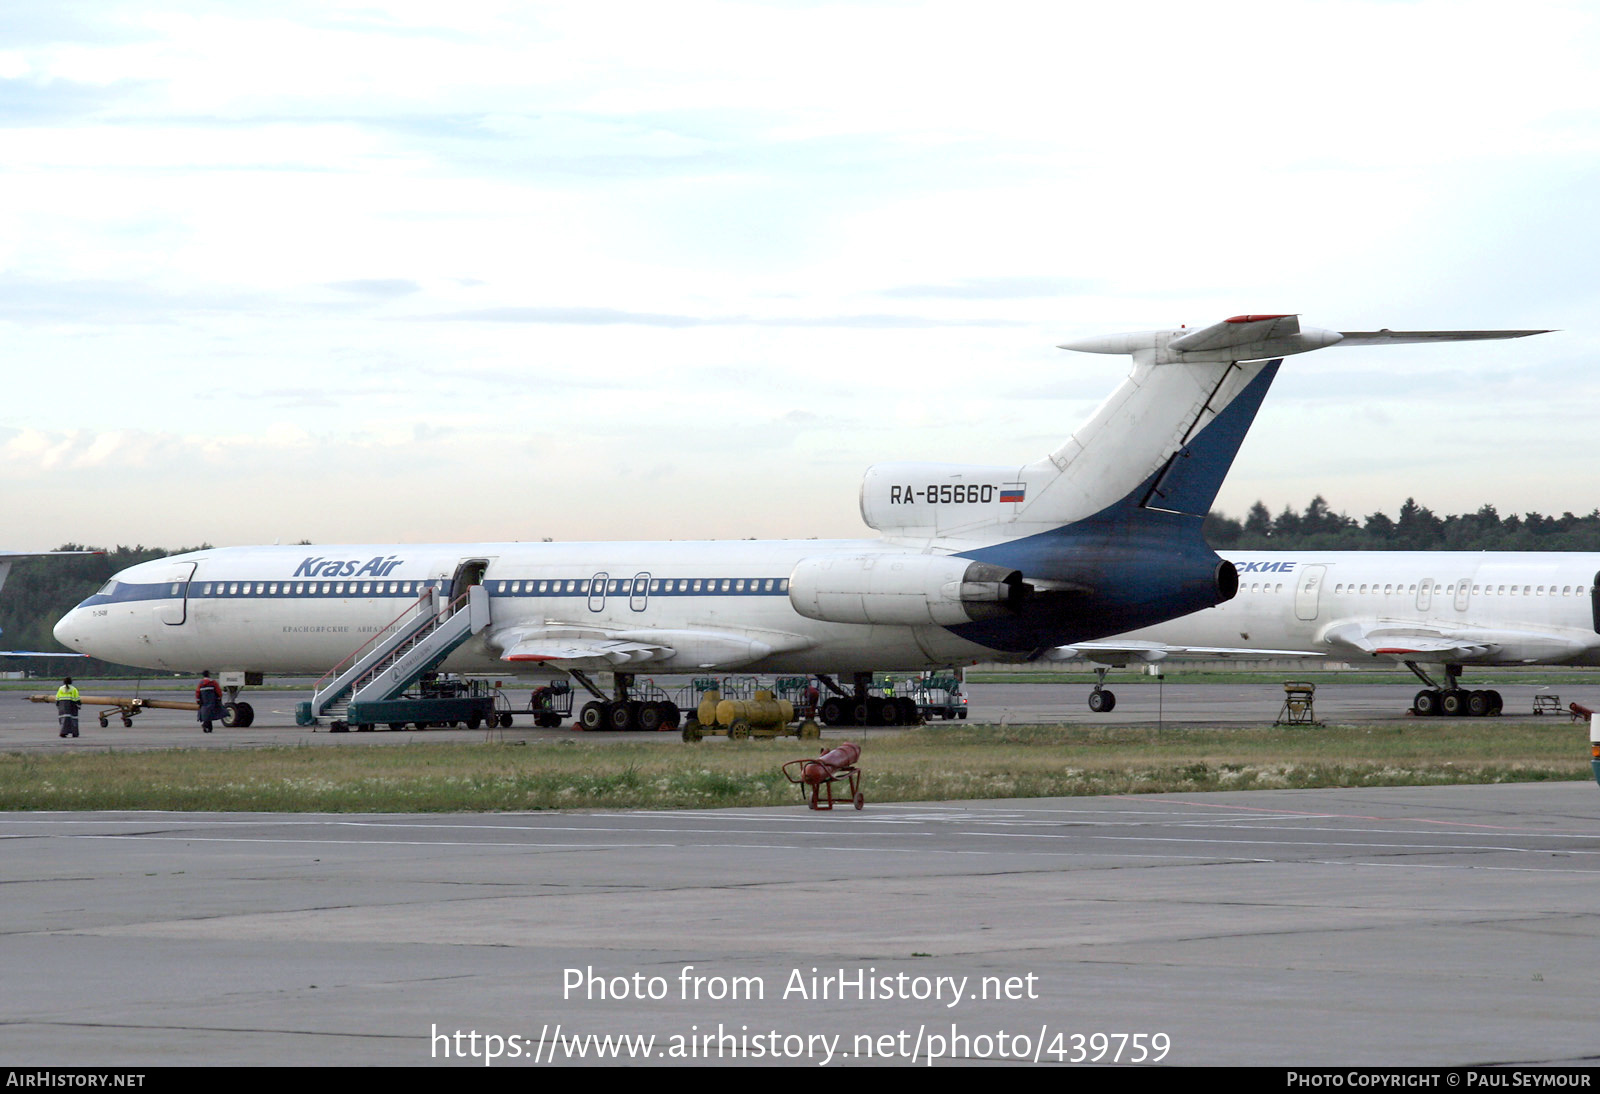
x=1257 y=337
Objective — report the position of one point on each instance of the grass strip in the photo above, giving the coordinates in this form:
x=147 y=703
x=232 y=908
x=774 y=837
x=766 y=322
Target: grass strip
x=930 y=764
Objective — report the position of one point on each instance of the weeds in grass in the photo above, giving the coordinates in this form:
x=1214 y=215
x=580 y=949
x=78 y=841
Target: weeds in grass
x=928 y=764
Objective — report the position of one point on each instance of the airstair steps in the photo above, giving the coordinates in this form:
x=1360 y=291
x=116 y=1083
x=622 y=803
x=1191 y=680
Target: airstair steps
x=410 y=646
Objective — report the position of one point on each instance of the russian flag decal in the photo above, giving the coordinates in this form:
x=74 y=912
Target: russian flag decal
x=1012 y=491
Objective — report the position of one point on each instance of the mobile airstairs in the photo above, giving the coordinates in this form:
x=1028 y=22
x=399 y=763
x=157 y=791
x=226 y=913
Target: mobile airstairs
x=397 y=657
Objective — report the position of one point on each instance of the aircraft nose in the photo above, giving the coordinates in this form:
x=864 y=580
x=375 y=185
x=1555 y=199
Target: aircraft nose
x=66 y=629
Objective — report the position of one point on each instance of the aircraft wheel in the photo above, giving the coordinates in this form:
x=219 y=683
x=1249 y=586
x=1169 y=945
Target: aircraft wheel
x=910 y=713
x=1478 y=703
x=887 y=714
x=246 y=716
x=1453 y=703
x=1102 y=701
x=1426 y=703
x=1496 y=704
x=861 y=712
x=620 y=717
x=833 y=711
x=670 y=715
x=649 y=717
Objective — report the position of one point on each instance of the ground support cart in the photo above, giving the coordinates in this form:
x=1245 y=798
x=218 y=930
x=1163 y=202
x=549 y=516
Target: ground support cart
x=441 y=702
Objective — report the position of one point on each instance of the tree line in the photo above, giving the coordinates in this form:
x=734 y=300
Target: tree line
x=1418 y=528
x=42 y=590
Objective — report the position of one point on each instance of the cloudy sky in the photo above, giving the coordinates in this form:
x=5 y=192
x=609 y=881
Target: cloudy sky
x=394 y=271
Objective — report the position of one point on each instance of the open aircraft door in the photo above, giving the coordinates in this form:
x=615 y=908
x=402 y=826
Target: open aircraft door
x=174 y=608
x=469 y=572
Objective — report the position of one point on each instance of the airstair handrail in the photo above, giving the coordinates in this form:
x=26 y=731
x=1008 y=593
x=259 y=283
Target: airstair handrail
x=356 y=654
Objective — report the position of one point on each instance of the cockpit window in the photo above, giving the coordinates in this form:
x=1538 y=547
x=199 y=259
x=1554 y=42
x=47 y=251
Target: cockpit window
x=108 y=588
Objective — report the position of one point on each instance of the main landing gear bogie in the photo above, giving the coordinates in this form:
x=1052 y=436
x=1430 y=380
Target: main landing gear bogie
x=870 y=710
x=1457 y=703
x=625 y=715
x=1452 y=700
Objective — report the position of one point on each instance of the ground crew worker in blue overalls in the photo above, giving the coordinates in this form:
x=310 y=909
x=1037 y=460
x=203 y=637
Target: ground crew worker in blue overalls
x=208 y=694
x=67 y=701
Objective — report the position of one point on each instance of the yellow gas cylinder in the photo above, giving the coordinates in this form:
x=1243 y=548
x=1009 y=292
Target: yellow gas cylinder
x=762 y=712
x=707 y=712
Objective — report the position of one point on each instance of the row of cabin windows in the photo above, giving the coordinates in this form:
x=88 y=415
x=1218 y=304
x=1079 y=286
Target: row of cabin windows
x=657 y=585
x=1477 y=590
x=549 y=588
x=305 y=588
x=1443 y=590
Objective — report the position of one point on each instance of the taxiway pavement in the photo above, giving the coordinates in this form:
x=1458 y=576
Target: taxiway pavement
x=1421 y=926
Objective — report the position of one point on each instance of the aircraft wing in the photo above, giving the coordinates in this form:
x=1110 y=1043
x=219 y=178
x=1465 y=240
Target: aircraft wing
x=1121 y=653
x=573 y=647
x=581 y=653
x=1419 y=642
x=38 y=653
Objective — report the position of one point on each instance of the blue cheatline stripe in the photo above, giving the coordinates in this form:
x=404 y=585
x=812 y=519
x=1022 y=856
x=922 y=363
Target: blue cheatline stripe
x=392 y=589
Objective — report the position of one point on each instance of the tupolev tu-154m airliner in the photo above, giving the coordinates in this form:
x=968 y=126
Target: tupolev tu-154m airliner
x=1007 y=562
x=1415 y=608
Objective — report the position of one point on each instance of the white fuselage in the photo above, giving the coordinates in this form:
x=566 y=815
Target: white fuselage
x=1476 y=607
x=303 y=609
